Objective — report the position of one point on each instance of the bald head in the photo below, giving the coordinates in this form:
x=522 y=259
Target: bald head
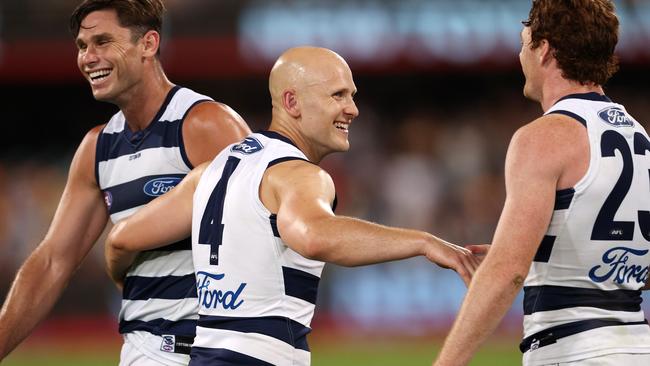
x=301 y=67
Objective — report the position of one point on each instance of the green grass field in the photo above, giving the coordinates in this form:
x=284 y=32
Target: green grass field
x=324 y=353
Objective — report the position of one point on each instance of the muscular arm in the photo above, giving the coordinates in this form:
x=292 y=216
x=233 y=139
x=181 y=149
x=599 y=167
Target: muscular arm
x=208 y=128
x=533 y=174
x=301 y=194
x=79 y=220
x=165 y=220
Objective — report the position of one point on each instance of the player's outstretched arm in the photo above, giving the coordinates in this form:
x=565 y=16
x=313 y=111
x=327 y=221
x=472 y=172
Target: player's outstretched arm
x=532 y=173
x=302 y=193
x=79 y=220
x=165 y=220
x=208 y=128
x=647 y=284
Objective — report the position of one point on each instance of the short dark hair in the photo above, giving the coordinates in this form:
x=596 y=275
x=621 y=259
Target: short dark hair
x=140 y=16
x=582 y=35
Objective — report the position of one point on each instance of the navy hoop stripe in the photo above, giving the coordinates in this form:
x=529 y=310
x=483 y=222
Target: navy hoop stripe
x=281 y=328
x=168 y=287
x=132 y=194
x=545 y=249
x=546 y=298
x=563 y=198
x=551 y=335
x=300 y=284
x=186 y=327
x=201 y=356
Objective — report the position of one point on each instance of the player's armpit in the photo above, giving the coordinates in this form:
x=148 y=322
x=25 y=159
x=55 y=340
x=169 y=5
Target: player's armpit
x=301 y=194
x=647 y=284
x=165 y=220
x=208 y=128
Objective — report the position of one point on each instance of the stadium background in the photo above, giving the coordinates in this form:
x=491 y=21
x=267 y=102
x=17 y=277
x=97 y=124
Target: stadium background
x=439 y=94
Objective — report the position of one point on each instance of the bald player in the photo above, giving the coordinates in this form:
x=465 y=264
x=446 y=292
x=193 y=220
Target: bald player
x=263 y=223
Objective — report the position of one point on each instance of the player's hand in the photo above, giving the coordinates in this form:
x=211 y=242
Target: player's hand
x=448 y=255
x=479 y=250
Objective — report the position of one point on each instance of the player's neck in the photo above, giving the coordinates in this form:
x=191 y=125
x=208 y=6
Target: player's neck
x=141 y=104
x=290 y=131
x=558 y=88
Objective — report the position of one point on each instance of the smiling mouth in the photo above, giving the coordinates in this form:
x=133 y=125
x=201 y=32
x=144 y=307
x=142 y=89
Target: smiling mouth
x=99 y=75
x=342 y=126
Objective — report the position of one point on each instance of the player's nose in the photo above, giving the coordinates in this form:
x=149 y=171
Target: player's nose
x=351 y=109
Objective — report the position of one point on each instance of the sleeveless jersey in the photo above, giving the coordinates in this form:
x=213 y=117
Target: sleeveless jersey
x=582 y=295
x=256 y=295
x=159 y=295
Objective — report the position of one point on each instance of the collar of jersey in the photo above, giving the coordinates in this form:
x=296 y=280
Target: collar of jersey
x=593 y=96
x=277 y=136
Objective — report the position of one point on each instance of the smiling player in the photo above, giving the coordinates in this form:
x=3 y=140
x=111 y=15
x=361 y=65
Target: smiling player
x=262 y=222
x=159 y=134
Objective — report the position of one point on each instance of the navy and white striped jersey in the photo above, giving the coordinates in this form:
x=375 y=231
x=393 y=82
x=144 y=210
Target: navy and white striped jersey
x=256 y=295
x=582 y=295
x=132 y=169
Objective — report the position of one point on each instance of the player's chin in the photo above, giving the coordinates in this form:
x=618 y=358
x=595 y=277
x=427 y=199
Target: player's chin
x=103 y=95
x=343 y=147
x=99 y=94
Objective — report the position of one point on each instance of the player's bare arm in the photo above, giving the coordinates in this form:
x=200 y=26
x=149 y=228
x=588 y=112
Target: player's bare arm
x=165 y=220
x=79 y=220
x=302 y=193
x=533 y=174
x=208 y=128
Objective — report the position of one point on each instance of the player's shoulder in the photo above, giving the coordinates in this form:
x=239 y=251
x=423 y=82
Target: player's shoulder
x=549 y=131
x=210 y=111
x=298 y=170
x=549 y=143
x=90 y=139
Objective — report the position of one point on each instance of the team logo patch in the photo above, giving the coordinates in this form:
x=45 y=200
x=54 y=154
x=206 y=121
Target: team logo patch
x=159 y=186
x=616 y=117
x=168 y=342
x=212 y=296
x=249 y=146
x=621 y=265
x=108 y=199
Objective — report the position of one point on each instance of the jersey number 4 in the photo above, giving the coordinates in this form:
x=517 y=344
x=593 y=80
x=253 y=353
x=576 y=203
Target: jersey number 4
x=605 y=227
x=211 y=230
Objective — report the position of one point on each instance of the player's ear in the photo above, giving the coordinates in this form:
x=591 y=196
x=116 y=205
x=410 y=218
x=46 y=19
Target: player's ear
x=545 y=52
x=150 y=43
x=290 y=103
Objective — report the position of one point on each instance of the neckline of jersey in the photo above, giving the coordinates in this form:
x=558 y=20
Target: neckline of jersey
x=140 y=135
x=593 y=96
x=277 y=136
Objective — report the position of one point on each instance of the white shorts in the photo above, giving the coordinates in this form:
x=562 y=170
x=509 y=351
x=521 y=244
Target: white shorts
x=615 y=359
x=144 y=349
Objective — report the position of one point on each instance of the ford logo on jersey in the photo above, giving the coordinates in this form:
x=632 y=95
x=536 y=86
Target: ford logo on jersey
x=616 y=117
x=250 y=145
x=620 y=270
x=212 y=298
x=159 y=186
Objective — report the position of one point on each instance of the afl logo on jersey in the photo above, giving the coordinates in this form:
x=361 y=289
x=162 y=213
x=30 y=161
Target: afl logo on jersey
x=249 y=146
x=616 y=117
x=159 y=186
x=108 y=199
